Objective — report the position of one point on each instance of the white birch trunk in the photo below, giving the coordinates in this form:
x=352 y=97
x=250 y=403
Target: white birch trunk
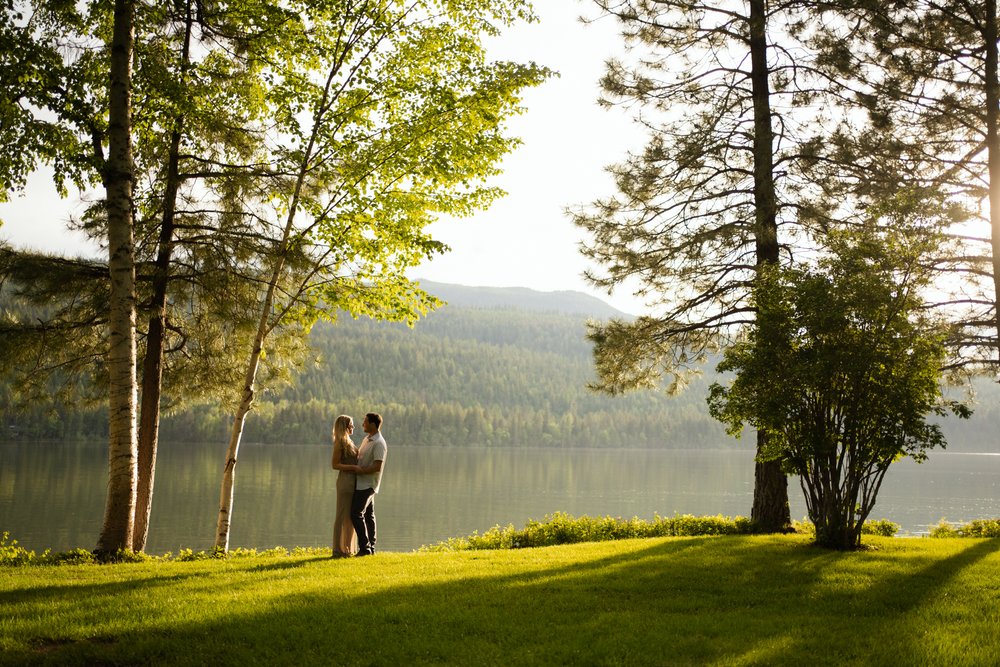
x=246 y=402
x=119 y=510
x=264 y=325
x=993 y=158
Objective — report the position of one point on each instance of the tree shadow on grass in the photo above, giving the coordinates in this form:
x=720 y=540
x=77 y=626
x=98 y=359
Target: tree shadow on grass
x=853 y=617
x=289 y=564
x=898 y=614
x=291 y=629
x=690 y=601
x=41 y=596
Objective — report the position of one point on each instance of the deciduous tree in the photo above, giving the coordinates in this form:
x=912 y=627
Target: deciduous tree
x=194 y=120
x=841 y=371
x=388 y=114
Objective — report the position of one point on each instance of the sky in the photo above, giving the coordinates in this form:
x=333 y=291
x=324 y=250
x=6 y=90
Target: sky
x=523 y=240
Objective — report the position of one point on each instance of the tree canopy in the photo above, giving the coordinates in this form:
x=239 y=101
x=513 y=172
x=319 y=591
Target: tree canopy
x=711 y=198
x=922 y=80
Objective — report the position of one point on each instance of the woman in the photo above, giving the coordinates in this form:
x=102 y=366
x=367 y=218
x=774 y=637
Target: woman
x=345 y=458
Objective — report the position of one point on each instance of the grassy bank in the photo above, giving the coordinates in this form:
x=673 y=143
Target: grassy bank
x=690 y=600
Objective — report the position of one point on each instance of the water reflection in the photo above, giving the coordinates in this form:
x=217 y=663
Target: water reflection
x=52 y=494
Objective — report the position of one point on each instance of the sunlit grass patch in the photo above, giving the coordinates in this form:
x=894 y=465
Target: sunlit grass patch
x=687 y=600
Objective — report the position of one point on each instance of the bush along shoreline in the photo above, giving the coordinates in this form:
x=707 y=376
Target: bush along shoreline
x=980 y=528
x=561 y=528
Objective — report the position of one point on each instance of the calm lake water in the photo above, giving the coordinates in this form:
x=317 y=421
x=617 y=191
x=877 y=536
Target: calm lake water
x=52 y=494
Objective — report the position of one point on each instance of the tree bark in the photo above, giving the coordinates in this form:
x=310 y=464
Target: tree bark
x=119 y=511
x=993 y=153
x=770 y=496
x=223 y=523
x=152 y=366
x=770 y=513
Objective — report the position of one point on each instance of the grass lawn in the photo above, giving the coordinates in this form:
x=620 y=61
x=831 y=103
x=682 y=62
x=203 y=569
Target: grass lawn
x=737 y=600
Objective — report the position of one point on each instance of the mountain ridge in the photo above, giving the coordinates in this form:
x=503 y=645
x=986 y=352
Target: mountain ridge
x=567 y=302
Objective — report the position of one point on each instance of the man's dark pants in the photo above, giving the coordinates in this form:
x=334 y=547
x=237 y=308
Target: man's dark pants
x=363 y=518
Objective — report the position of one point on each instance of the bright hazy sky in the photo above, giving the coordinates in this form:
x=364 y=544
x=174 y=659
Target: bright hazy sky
x=525 y=239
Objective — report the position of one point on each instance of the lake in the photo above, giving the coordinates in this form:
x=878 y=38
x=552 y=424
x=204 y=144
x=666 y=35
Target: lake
x=52 y=494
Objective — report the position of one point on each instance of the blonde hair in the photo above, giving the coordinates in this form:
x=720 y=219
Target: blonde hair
x=340 y=438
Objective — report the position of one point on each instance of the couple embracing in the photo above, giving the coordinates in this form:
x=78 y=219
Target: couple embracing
x=357 y=483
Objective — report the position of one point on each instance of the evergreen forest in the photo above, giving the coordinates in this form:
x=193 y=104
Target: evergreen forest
x=492 y=367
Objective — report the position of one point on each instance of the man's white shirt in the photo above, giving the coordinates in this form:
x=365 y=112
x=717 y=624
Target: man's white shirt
x=373 y=448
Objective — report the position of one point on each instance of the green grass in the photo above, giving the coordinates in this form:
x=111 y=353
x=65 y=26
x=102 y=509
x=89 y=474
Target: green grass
x=727 y=600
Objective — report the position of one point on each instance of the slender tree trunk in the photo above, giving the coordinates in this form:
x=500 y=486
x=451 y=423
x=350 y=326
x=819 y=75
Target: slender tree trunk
x=264 y=327
x=152 y=365
x=770 y=496
x=993 y=152
x=224 y=520
x=239 y=419
x=119 y=510
x=149 y=424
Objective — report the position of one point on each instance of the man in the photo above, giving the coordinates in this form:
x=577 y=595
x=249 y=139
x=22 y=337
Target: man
x=371 y=461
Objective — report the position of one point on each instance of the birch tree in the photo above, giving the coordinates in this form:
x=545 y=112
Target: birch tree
x=119 y=512
x=68 y=63
x=206 y=103
x=192 y=123
x=388 y=115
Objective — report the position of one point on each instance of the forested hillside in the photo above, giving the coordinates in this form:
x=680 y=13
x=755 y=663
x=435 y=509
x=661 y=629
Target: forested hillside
x=494 y=367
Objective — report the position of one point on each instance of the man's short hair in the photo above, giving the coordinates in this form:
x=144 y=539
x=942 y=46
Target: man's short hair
x=375 y=419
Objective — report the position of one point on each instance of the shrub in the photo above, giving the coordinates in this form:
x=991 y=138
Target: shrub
x=561 y=528
x=240 y=552
x=76 y=556
x=841 y=372
x=11 y=554
x=981 y=528
x=879 y=527
x=187 y=555
x=978 y=528
x=129 y=556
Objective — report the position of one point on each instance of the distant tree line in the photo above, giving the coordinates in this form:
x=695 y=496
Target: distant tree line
x=462 y=377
